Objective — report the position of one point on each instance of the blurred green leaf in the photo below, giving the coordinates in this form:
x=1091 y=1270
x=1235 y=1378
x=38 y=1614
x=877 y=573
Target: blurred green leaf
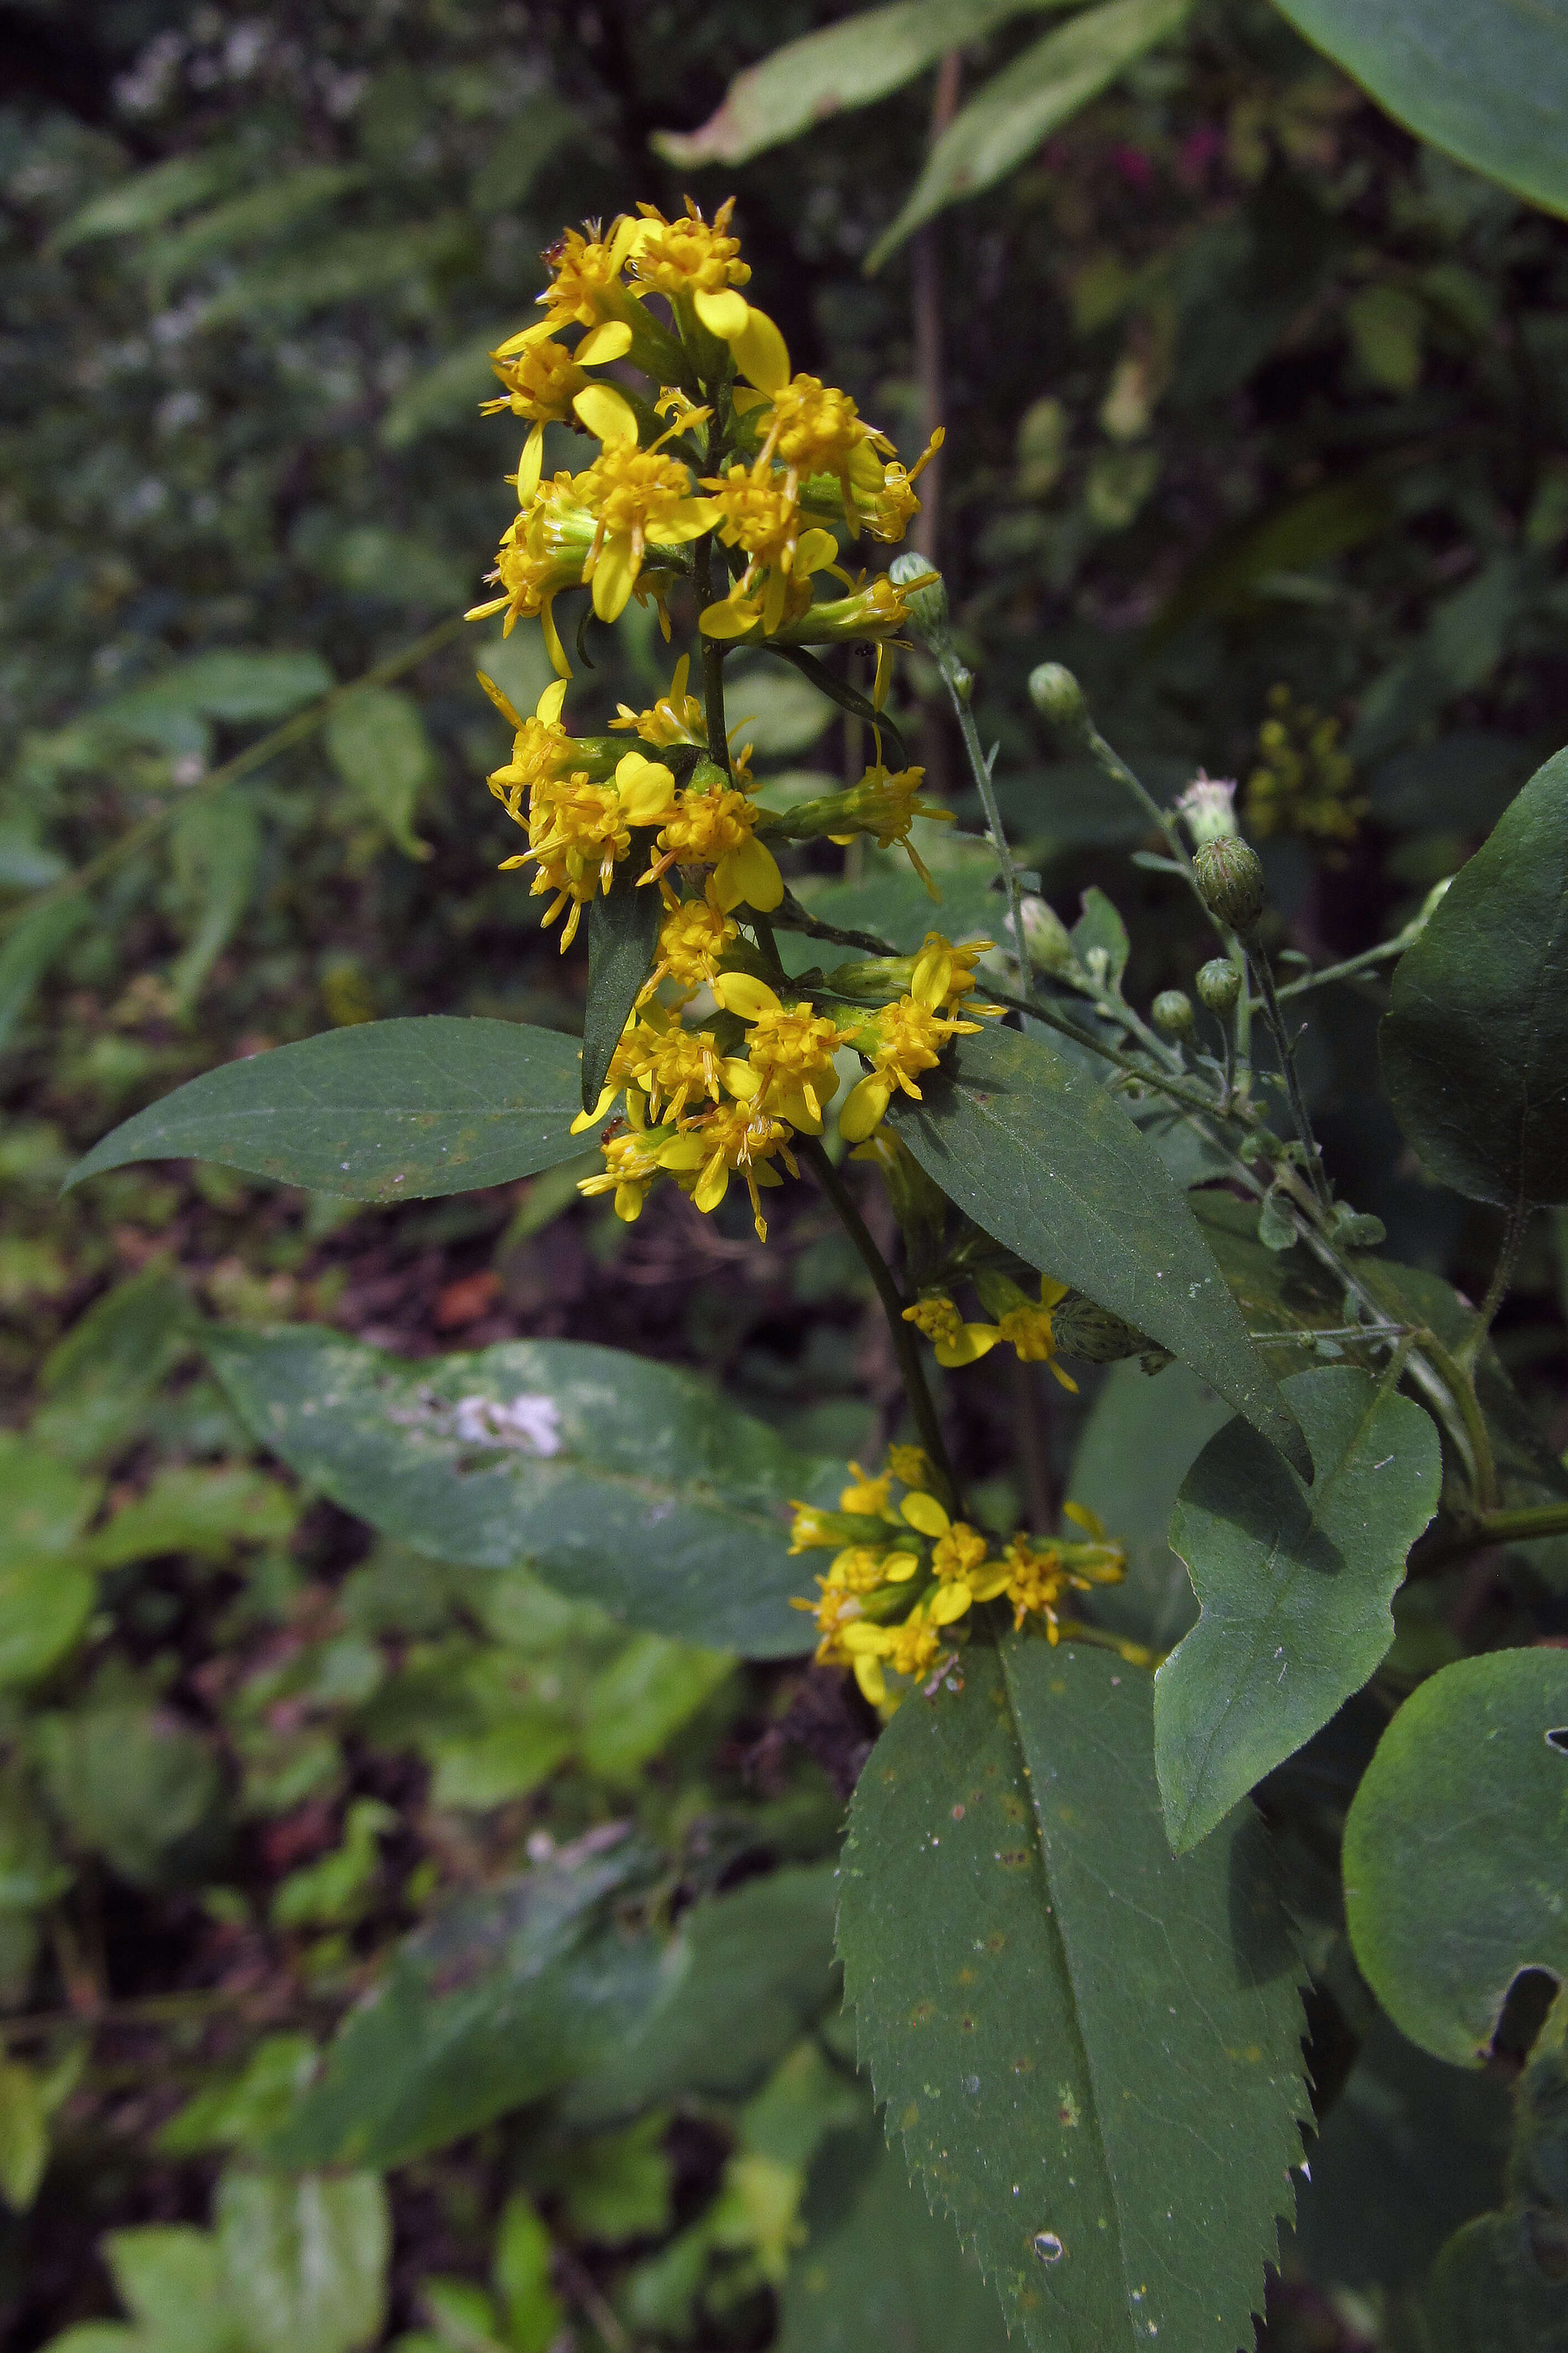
x=379 y=745
x=1019 y=108
x=260 y=212
x=1475 y=1045
x=845 y=65
x=445 y=397
x=642 y=1698
x=386 y=1111
x=1089 y=2048
x=1050 y=1165
x=236 y=686
x=147 y=199
x=47 y=1503
x=43 y=1606
x=1100 y=934
x=534 y=134
x=98 y=1382
x=349 y=266
x=335 y=1889
x=216 y=844
x=241 y=2110
x=522 y=2267
x=1295 y=1584
x=1488 y=82
x=130 y=1782
x=31 y=945
x=23 y=2133
x=743 y=1978
x=190 y=1507
x=1453 y=1848
x=304 y=2260
x=170 y=2276
x=622 y=1479
x=773 y=709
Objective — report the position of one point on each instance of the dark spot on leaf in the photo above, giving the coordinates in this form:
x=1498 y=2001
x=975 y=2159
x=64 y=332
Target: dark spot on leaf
x=1014 y=1808
x=1014 y=1858
x=994 y=1941
x=1559 y=1739
x=1047 y=2247
x=923 y=2013
x=967 y=2025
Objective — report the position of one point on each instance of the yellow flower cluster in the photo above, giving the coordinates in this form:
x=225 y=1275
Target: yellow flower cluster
x=795 y=448
x=1302 y=783
x=1023 y=1323
x=903 y=1574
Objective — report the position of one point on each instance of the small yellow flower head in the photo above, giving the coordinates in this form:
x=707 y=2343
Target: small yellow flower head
x=885 y=805
x=578 y=831
x=815 y=428
x=717 y=830
x=876 y=608
x=958 y=1554
x=542 y=382
x=1036 y=1580
x=585 y=275
x=789 y=1053
x=886 y=511
x=638 y=499
x=867 y=1494
x=689 y=255
x=901 y=1040
x=696 y=935
x=813 y=1529
x=859 y=1568
x=936 y=1317
x=631 y=1166
x=1027 y=1329
x=909 y=1467
x=676 y=718
x=1302 y=781
x=910 y=1650
x=944 y=975
x=732 y=1139
x=834 y=1609
x=678 y=1064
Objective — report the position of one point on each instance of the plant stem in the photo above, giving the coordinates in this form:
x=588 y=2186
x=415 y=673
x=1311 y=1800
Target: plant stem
x=980 y=768
x=1348 y=969
x=1517 y=1526
x=1502 y=1275
x=304 y=724
x=712 y=657
x=906 y=1346
x=1258 y=959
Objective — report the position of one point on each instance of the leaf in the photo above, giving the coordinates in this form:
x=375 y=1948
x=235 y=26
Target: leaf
x=43 y=1606
x=1295 y=1585
x=443 y=397
x=1142 y=1437
x=216 y=845
x=23 y=2133
x=170 y=2277
x=379 y=745
x=878 y=2268
x=242 y=2110
x=1020 y=107
x=620 y=1480
x=1475 y=1044
x=1453 y=1848
x=623 y=940
x=778 y=715
x=265 y=212
x=388 y=1110
x=501 y=1999
x=828 y=73
x=847 y=698
x=1099 y=931
x=148 y=198
x=31 y=946
x=642 y=1698
x=130 y=1782
x=98 y=1382
x=1051 y=1167
x=1090 y=2048
x=47 y=1503
x=1488 y=82
x=349 y=266
x=744 y=1977
x=236 y=685
x=304 y=2262
x=205 y=1509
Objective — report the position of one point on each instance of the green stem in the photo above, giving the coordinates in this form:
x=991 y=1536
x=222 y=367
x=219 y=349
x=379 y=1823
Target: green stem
x=712 y=657
x=1112 y=764
x=1455 y=1378
x=1191 y=1098
x=304 y=724
x=953 y=673
x=1348 y=969
x=906 y=1346
x=1299 y=1112
x=1502 y=1275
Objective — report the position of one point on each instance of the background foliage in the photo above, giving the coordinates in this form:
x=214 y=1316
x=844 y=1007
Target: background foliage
x=1255 y=417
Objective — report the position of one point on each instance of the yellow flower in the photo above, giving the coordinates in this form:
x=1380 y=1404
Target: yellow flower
x=696 y=934
x=717 y=830
x=908 y=1650
x=789 y=1064
x=909 y=1467
x=944 y=975
x=958 y=1562
x=638 y=499
x=541 y=752
x=834 y=1609
x=885 y=512
x=812 y=427
x=585 y=287
x=690 y=260
x=1025 y=1326
x=676 y=1064
x=1038 y=1572
x=886 y=805
x=543 y=551
x=631 y=1166
x=867 y=1494
x=578 y=831
x=676 y=718
x=755 y=511
x=730 y=1140
x=936 y=1317
x=900 y=1042
x=1303 y=780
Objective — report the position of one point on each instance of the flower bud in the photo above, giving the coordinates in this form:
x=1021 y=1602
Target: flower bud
x=1230 y=875
x=1208 y=807
x=1219 y=985
x=928 y=604
x=1172 y=1013
x=1057 y=696
x=872 y=980
x=1046 y=938
x=1083 y=1329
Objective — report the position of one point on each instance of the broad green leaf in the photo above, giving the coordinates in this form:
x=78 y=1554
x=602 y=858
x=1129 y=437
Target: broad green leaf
x=773 y=709
x=389 y=1111
x=1488 y=82
x=242 y=2110
x=1475 y=1045
x=30 y=947
x=1294 y=1585
x=1050 y=1165
x=215 y=846
x=235 y=685
x=1019 y=108
x=744 y=1977
x=875 y=51
x=890 y=900
x=642 y=1698
x=23 y=2133
x=443 y=397
x=623 y=939
x=534 y=133
x=1454 y=1845
x=379 y=747
x=879 y=2269
x=616 y=1478
x=26 y=862
x=1090 y=2048
x=130 y=1782
x=304 y=2262
x=1142 y=1437
x=43 y=1606
x=170 y=2277
x=500 y=1999
x=149 y=198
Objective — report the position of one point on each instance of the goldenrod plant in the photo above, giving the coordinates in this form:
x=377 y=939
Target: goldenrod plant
x=1074 y=1947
